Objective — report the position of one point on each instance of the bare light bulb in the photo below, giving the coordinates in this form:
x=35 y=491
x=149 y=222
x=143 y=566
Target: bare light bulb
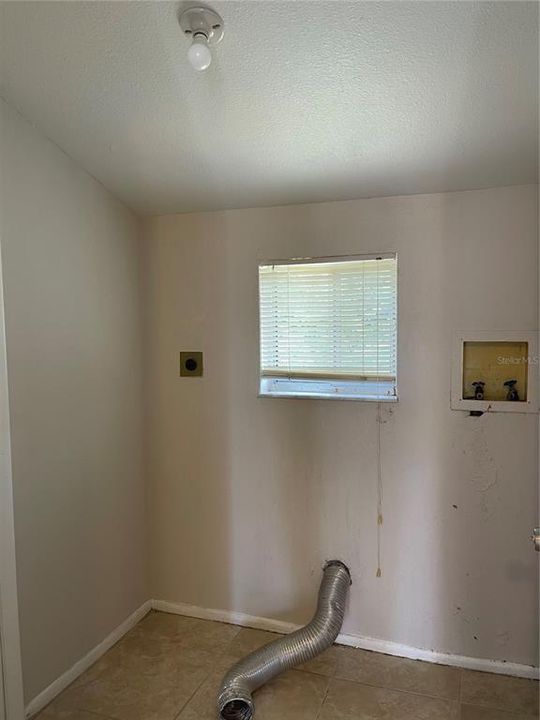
x=199 y=54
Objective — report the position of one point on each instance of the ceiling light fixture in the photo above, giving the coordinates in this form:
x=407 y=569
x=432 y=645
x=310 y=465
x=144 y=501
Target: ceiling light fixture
x=205 y=27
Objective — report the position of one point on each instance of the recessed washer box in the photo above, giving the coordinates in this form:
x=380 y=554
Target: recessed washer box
x=498 y=366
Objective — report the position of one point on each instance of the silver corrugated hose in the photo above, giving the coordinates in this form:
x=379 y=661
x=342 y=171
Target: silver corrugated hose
x=235 y=701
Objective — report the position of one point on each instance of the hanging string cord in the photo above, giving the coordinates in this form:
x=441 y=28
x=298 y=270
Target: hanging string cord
x=379 y=422
x=289 y=319
x=379 y=491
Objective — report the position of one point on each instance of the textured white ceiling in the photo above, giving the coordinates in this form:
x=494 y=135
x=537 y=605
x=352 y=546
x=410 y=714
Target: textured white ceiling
x=305 y=101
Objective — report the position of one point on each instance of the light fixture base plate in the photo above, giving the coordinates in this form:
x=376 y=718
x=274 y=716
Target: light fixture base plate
x=202 y=19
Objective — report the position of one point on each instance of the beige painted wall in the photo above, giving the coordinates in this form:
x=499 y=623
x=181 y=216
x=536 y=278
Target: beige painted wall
x=72 y=302
x=249 y=496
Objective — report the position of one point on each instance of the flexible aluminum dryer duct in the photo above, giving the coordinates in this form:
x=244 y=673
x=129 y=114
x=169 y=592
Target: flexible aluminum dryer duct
x=235 y=701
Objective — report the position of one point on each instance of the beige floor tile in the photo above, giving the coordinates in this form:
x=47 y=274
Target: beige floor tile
x=472 y=712
x=354 y=701
x=323 y=664
x=249 y=640
x=164 y=624
x=110 y=659
x=398 y=673
x=143 y=655
x=50 y=714
x=499 y=692
x=183 y=648
x=187 y=631
x=139 y=687
x=292 y=696
x=203 y=704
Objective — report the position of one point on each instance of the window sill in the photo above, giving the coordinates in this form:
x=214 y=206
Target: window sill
x=363 y=390
x=312 y=396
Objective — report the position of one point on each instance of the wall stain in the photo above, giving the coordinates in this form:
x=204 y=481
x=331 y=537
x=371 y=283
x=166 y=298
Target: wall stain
x=481 y=470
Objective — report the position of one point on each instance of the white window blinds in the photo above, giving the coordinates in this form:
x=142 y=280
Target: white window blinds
x=334 y=320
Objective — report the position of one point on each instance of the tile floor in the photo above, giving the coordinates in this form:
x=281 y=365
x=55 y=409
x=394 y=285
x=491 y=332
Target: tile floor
x=169 y=668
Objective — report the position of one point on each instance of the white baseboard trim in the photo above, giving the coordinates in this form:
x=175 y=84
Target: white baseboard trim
x=387 y=647
x=226 y=616
x=365 y=643
x=56 y=687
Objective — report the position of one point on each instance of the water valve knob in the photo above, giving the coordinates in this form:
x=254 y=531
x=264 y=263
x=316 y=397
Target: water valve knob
x=512 y=393
x=478 y=389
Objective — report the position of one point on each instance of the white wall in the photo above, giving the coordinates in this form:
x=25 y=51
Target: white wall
x=249 y=496
x=72 y=303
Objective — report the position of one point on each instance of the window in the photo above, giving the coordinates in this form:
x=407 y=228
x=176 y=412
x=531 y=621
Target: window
x=328 y=328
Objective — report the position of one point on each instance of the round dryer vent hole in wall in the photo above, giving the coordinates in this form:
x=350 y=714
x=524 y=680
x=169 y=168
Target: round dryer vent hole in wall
x=191 y=364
